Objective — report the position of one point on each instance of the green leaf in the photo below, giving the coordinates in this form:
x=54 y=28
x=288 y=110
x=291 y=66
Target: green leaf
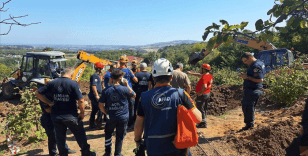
x=286 y=10
x=204 y=36
x=269 y=11
x=290 y=21
x=225 y=37
x=277 y=12
x=208 y=28
x=215 y=26
x=270 y=38
x=259 y=24
x=281 y=1
x=243 y=25
x=219 y=38
x=223 y=22
x=267 y=23
x=211 y=43
x=263 y=37
x=283 y=30
x=304 y=24
x=296 y=22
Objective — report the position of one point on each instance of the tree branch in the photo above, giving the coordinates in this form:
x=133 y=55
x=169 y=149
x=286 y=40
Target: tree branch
x=13 y=19
x=4 y=5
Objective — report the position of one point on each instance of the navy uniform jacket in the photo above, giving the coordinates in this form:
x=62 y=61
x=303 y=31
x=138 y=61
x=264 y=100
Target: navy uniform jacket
x=64 y=93
x=159 y=108
x=257 y=71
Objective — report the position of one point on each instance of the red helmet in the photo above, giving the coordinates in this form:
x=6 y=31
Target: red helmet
x=98 y=65
x=206 y=66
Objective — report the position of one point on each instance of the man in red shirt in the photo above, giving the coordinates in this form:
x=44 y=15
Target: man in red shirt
x=203 y=90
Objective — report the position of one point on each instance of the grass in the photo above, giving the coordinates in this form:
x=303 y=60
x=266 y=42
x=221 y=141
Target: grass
x=225 y=115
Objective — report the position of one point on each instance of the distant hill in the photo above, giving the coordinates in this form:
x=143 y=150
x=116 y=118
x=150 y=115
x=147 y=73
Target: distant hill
x=89 y=48
x=176 y=42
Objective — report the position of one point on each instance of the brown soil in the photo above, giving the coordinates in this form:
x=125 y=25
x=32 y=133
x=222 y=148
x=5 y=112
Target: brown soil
x=275 y=127
x=223 y=98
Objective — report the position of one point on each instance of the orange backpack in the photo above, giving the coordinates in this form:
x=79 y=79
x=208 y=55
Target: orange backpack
x=186 y=135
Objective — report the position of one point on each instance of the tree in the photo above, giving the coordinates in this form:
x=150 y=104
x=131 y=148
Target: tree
x=48 y=49
x=13 y=19
x=294 y=11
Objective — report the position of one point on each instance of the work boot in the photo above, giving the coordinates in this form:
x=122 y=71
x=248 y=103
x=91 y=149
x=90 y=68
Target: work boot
x=89 y=153
x=247 y=127
x=107 y=154
x=202 y=125
x=71 y=151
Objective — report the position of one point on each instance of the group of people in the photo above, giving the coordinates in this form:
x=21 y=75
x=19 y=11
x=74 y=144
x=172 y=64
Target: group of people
x=132 y=99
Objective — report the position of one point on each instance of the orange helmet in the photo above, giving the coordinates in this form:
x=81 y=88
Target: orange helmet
x=123 y=59
x=206 y=66
x=98 y=65
x=134 y=62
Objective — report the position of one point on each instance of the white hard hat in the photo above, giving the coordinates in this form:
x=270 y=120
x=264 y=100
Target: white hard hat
x=162 y=67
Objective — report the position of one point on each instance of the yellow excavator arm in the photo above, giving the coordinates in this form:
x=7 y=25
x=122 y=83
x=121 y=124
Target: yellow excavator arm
x=86 y=58
x=253 y=43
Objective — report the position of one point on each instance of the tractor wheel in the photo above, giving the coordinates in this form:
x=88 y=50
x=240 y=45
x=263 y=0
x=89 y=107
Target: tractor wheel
x=8 y=90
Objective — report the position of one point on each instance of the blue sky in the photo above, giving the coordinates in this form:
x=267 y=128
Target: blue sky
x=123 y=22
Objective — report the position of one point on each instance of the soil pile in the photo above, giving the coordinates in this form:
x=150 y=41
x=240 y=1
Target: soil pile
x=265 y=140
x=223 y=98
x=85 y=89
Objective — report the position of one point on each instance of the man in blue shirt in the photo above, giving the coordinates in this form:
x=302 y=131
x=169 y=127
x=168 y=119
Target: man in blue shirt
x=114 y=104
x=94 y=94
x=252 y=87
x=129 y=76
x=64 y=112
x=142 y=86
x=107 y=75
x=157 y=113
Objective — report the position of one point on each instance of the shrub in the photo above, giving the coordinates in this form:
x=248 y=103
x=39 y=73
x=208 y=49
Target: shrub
x=287 y=84
x=26 y=122
x=226 y=76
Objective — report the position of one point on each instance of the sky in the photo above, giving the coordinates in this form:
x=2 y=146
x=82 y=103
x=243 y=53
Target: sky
x=123 y=22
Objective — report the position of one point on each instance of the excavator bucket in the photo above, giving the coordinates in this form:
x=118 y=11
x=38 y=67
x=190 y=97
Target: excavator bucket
x=195 y=57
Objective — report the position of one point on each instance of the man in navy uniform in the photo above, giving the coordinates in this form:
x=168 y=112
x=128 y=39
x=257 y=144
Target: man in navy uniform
x=94 y=94
x=129 y=76
x=253 y=80
x=50 y=130
x=142 y=86
x=114 y=104
x=157 y=113
x=64 y=112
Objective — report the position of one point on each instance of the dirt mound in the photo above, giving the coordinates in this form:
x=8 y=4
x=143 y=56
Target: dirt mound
x=223 y=98
x=85 y=89
x=272 y=139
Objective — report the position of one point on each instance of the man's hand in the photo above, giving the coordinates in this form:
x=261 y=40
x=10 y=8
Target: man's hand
x=81 y=116
x=125 y=82
x=242 y=75
x=97 y=98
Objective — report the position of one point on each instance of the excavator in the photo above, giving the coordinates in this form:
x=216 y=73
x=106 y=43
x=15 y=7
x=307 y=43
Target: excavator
x=35 y=67
x=269 y=54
